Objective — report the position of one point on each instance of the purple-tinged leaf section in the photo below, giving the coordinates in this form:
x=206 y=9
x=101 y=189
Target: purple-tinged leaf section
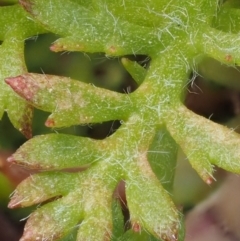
x=70 y=101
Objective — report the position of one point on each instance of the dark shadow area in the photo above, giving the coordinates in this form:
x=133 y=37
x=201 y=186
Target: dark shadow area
x=8 y=2
x=213 y=91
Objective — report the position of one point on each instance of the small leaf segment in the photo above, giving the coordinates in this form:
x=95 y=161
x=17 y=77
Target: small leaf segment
x=16 y=25
x=154 y=121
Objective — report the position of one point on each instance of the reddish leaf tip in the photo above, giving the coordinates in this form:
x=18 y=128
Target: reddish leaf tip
x=50 y=122
x=15 y=82
x=57 y=47
x=228 y=58
x=112 y=50
x=11 y=159
x=26 y=122
x=136 y=227
x=53 y=48
x=209 y=180
x=12 y=81
x=13 y=204
x=23 y=85
x=15 y=200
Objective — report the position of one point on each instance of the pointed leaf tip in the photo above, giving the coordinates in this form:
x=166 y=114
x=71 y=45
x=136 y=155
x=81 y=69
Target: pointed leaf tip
x=136 y=227
x=57 y=47
x=11 y=159
x=50 y=122
x=13 y=81
x=53 y=48
x=22 y=85
x=209 y=181
x=14 y=202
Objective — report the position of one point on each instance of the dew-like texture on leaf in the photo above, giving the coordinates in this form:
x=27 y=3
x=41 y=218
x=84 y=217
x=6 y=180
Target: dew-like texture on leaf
x=176 y=36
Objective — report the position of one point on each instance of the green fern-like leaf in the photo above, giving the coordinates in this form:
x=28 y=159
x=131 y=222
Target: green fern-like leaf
x=142 y=152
